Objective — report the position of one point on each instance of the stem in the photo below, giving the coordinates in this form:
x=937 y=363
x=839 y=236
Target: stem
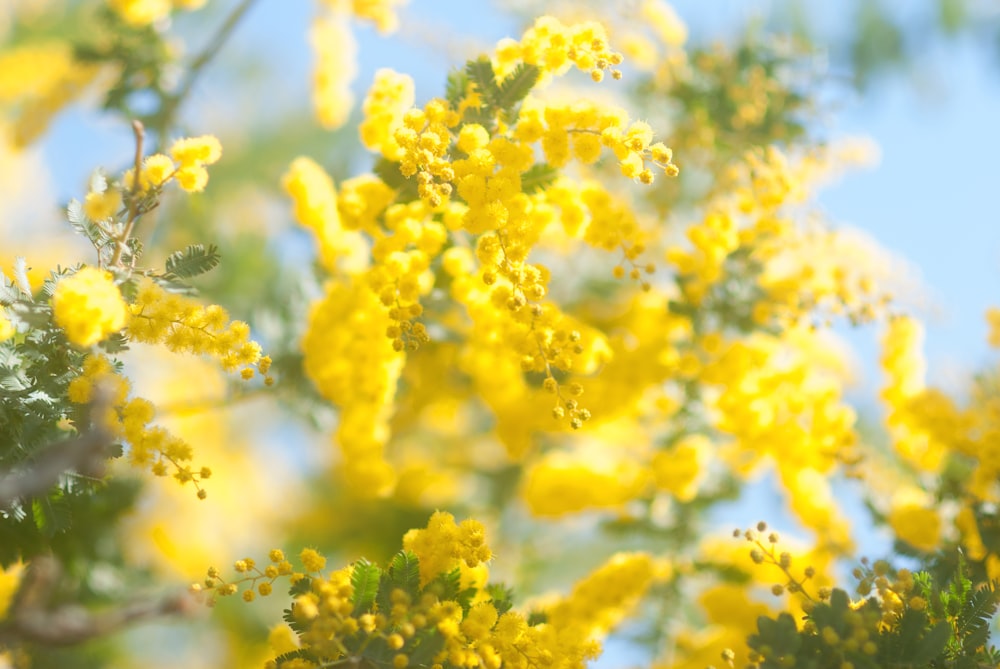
x=133 y=213
x=171 y=103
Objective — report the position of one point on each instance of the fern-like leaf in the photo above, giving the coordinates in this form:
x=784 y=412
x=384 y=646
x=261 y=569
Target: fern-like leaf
x=456 y=87
x=365 y=578
x=516 y=86
x=973 y=625
x=403 y=573
x=192 y=261
x=538 y=177
x=480 y=73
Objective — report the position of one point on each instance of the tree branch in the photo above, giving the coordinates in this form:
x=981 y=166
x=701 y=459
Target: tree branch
x=31 y=619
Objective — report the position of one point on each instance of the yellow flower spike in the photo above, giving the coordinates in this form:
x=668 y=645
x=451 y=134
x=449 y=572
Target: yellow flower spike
x=203 y=150
x=88 y=306
x=102 y=206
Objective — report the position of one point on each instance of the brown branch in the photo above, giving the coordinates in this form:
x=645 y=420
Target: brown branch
x=32 y=619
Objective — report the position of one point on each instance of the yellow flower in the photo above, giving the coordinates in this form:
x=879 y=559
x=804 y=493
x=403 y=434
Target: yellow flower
x=7 y=329
x=88 y=306
x=101 y=206
x=916 y=525
x=203 y=150
x=312 y=560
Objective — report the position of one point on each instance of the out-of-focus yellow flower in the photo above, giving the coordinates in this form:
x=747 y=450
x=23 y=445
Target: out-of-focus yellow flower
x=88 y=306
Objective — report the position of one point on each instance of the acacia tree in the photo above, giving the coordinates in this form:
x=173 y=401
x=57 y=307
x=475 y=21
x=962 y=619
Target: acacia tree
x=578 y=332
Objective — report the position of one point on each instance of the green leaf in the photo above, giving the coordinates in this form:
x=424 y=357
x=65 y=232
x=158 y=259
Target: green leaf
x=538 y=177
x=481 y=74
x=502 y=596
x=516 y=86
x=192 y=261
x=973 y=625
x=402 y=573
x=932 y=644
x=456 y=87
x=365 y=578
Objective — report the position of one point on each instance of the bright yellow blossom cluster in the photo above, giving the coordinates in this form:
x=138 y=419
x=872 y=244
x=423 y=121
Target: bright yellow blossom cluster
x=449 y=617
x=185 y=165
x=443 y=544
x=88 y=306
x=183 y=325
x=144 y=12
x=382 y=13
x=390 y=96
x=315 y=200
x=599 y=602
x=150 y=447
x=555 y=48
x=349 y=360
x=38 y=80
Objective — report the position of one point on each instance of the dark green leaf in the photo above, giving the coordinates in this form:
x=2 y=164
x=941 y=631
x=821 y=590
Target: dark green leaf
x=365 y=578
x=932 y=644
x=481 y=74
x=516 y=86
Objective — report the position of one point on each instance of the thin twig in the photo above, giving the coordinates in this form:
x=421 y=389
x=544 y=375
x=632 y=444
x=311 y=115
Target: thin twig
x=32 y=619
x=133 y=212
x=171 y=103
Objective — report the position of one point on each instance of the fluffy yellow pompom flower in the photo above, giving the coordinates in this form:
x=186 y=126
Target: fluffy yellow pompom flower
x=312 y=560
x=918 y=526
x=442 y=546
x=88 y=306
x=141 y=12
x=203 y=150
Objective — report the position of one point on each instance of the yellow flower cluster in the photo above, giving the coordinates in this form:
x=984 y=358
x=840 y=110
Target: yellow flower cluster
x=904 y=367
x=335 y=69
x=383 y=13
x=150 y=447
x=39 y=79
x=582 y=129
x=803 y=272
x=315 y=200
x=389 y=97
x=353 y=366
x=682 y=467
x=555 y=48
x=335 y=627
x=993 y=319
x=604 y=597
x=781 y=402
x=917 y=524
x=101 y=206
x=88 y=306
x=183 y=325
x=257 y=580
x=185 y=165
x=7 y=328
x=144 y=12
x=443 y=544
x=557 y=485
